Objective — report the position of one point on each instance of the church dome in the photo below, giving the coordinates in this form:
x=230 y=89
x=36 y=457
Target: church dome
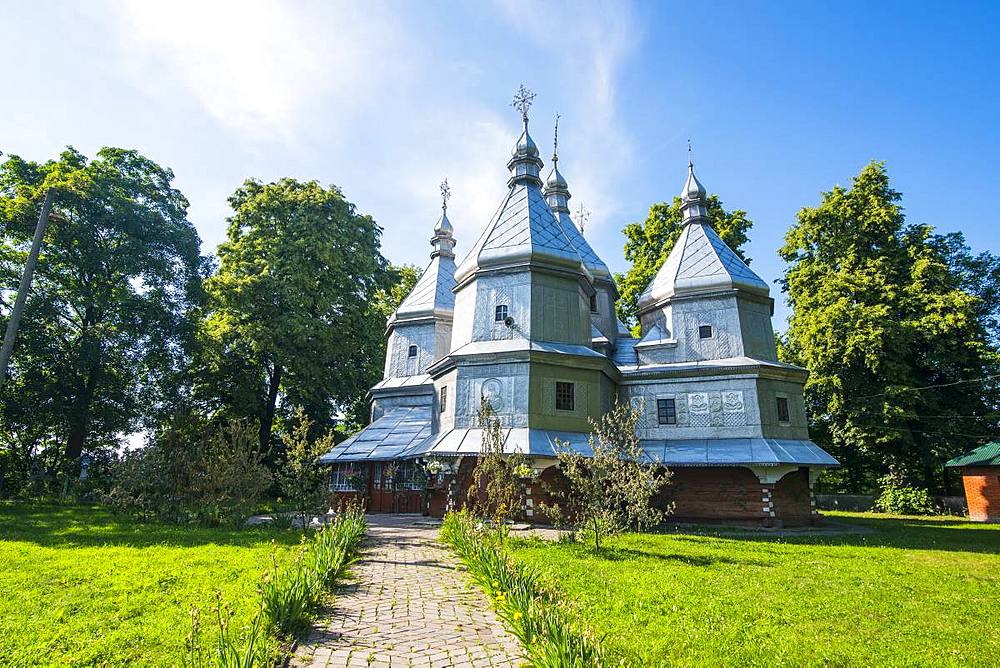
x=525 y=145
x=443 y=227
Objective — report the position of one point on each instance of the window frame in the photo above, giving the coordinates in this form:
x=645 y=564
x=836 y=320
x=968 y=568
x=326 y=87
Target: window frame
x=781 y=405
x=593 y=303
x=666 y=411
x=412 y=352
x=701 y=332
x=339 y=473
x=500 y=312
x=443 y=399
x=565 y=396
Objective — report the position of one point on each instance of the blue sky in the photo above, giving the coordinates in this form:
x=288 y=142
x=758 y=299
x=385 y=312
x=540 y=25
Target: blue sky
x=781 y=100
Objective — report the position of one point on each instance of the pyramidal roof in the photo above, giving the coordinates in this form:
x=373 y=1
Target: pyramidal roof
x=557 y=195
x=524 y=229
x=433 y=294
x=700 y=261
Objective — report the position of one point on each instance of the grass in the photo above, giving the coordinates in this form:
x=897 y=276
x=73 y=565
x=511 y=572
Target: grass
x=899 y=591
x=80 y=586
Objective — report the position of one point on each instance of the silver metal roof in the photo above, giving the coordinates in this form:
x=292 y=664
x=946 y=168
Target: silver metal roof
x=700 y=261
x=433 y=293
x=532 y=442
x=737 y=452
x=389 y=437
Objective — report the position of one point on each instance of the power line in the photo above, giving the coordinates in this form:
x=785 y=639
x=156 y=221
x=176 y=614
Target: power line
x=929 y=387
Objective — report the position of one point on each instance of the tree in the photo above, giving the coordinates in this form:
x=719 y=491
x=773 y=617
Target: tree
x=613 y=488
x=649 y=243
x=303 y=479
x=497 y=488
x=896 y=342
x=107 y=332
x=400 y=283
x=290 y=318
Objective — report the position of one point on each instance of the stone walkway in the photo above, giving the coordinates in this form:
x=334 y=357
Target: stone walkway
x=407 y=605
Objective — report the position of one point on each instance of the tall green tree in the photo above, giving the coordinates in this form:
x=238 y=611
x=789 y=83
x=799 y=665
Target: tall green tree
x=107 y=332
x=647 y=245
x=896 y=342
x=290 y=318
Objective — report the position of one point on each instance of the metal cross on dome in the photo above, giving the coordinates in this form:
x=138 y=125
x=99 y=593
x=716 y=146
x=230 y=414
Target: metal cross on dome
x=582 y=216
x=445 y=194
x=522 y=101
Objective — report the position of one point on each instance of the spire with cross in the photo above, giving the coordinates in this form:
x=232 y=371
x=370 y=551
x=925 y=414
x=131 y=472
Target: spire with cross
x=689 y=154
x=582 y=216
x=445 y=195
x=555 y=143
x=522 y=101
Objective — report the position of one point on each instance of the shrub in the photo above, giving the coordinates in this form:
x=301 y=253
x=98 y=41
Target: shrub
x=611 y=489
x=303 y=479
x=540 y=619
x=900 y=499
x=192 y=470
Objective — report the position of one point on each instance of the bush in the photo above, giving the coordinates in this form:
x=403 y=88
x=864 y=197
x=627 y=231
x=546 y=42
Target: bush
x=899 y=499
x=539 y=618
x=193 y=470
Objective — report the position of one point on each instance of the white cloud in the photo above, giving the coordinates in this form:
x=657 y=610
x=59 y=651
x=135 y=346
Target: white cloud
x=589 y=44
x=257 y=66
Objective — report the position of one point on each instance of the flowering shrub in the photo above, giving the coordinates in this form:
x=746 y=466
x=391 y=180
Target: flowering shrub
x=539 y=617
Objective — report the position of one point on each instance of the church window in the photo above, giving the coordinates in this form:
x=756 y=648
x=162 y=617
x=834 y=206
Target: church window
x=444 y=399
x=705 y=332
x=340 y=477
x=410 y=475
x=412 y=352
x=565 y=398
x=501 y=313
x=782 y=409
x=593 y=303
x=666 y=411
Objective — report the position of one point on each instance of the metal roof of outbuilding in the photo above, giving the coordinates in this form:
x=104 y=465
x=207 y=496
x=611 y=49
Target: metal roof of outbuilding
x=984 y=455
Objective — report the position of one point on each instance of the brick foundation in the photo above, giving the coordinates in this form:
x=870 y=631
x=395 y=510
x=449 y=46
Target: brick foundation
x=982 y=492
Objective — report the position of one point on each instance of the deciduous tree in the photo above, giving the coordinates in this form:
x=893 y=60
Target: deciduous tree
x=896 y=339
x=107 y=332
x=290 y=318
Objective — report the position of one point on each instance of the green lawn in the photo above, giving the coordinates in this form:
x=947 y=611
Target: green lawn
x=80 y=586
x=908 y=592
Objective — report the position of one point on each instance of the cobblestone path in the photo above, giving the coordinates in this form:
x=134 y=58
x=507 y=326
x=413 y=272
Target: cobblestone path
x=406 y=605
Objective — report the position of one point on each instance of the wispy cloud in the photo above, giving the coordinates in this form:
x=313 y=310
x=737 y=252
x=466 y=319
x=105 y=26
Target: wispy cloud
x=589 y=44
x=256 y=66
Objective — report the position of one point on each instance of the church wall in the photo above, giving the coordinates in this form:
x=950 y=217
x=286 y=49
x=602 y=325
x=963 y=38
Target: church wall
x=797 y=427
x=706 y=407
x=605 y=319
x=721 y=313
x=735 y=494
x=465 y=307
x=510 y=289
x=442 y=338
x=445 y=420
x=542 y=403
x=398 y=362
x=383 y=404
x=755 y=325
x=506 y=386
x=561 y=310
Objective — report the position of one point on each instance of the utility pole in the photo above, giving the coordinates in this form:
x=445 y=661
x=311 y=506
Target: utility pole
x=22 y=291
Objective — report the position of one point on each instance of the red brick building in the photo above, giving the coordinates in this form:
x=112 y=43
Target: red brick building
x=980 y=471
